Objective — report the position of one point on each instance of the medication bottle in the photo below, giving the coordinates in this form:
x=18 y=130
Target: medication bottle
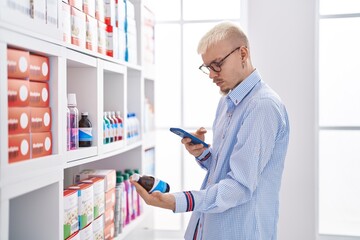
x=128 y=198
x=106 y=129
x=85 y=131
x=133 y=214
x=139 y=207
x=74 y=121
x=67 y=128
x=151 y=184
x=120 y=126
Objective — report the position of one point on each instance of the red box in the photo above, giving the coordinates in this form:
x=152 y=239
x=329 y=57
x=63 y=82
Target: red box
x=109 y=216
x=40 y=119
x=18 y=120
x=109 y=231
x=41 y=144
x=110 y=196
x=18 y=93
x=39 y=68
x=18 y=63
x=19 y=147
x=39 y=94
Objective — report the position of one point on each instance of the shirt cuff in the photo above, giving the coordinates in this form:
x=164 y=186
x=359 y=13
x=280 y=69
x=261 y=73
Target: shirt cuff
x=184 y=202
x=204 y=156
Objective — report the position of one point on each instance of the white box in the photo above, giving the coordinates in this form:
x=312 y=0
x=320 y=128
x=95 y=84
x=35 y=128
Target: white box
x=66 y=22
x=71 y=223
x=98 y=227
x=89 y=7
x=91 y=33
x=78 y=28
x=110 y=16
x=39 y=7
x=52 y=12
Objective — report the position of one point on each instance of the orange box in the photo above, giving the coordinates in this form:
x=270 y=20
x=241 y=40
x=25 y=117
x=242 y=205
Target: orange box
x=110 y=198
x=40 y=119
x=39 y=68
x=18 y=93
x=39 y=94
x=78 y=28
x=19 y=147
x=18 y=120
x=18 y=63
x=41 y=144
x=109 y=216
x=109 y=231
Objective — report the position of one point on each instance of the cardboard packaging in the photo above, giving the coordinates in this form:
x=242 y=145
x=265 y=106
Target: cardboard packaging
x=86 y=203
x=99 y=194
x=78 y=28
x=91 y=34
x=89 y=7
x=41 y=144
x=18 y=93
x=18 y=120
x=39 y=94
x=39 y=68
x=40 y=119
x=71 y=223
x=98 y=227
x=109 y=176
x=87 y=232
x=110 y=198
x=19 y=147
x=18 y=63
x=109 y=231
x=66 y=22
x=52 y=13
x=101 y=37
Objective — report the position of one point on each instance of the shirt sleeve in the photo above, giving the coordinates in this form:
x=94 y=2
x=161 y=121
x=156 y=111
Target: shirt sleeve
x=253 y=149
x=205 y=158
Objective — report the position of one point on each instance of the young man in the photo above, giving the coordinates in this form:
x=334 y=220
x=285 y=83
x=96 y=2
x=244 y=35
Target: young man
x=239 y=198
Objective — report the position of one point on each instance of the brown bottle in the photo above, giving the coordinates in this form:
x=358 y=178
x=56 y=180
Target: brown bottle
x=151 y=184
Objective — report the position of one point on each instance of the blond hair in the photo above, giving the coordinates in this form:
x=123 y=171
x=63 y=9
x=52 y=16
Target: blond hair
x=228 y=31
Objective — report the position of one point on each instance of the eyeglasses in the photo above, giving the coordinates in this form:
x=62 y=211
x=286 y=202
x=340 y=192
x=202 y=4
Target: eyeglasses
x=216 y=66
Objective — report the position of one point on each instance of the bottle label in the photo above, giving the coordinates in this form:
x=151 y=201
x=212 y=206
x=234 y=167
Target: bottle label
x=85 y=134
x=159 y=186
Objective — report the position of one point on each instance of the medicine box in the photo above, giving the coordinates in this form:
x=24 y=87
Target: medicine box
x=19 y=147
x=39 y=94
x=85 y=203
x=18 y=93
x=18 y=120
x=71 y=223
x=41 y=144
x=18 y=63
x=40 y=119
x=99 y=194
x=39 y=68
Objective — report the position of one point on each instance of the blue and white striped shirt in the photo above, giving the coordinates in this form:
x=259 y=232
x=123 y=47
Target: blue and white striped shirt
x=239 y=198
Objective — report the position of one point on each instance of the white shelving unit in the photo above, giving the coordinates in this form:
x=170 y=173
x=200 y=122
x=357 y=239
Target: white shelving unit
x=31 y=191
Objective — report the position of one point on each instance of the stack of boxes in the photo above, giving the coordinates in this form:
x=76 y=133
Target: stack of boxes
x=96 y=25
x=29 y=114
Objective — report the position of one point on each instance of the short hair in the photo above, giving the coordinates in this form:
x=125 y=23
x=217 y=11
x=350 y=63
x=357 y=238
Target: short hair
x=223 y=31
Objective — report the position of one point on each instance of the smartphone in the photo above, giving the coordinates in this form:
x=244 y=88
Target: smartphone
x=182 y=133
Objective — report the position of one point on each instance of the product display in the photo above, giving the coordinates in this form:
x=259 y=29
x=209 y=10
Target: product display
x=85 y=131
x=74 y=121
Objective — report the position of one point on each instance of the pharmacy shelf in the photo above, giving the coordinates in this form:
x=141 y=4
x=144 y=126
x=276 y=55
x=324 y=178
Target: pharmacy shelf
x=31 y=191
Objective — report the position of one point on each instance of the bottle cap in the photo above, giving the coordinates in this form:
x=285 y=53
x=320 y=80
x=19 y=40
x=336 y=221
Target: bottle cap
x=135 y=177
x=136 y=171
x=126 y=176
x=84 y=114
x=119 y=179
x=71 y=99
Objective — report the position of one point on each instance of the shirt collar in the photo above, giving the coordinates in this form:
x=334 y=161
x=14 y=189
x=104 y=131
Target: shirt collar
x=239 y=92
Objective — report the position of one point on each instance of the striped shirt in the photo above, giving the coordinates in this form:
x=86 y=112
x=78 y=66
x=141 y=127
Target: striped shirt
x=239 y=198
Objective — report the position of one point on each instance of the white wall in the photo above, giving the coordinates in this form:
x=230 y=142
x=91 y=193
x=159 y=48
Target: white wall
x=282 y=42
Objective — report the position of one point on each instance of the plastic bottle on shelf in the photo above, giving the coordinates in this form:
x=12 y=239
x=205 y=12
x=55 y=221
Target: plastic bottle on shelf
x=115 y=126
x=120 y=125
x=136 y=127
x=106 y=129
x=134 y=208
x=111 y=127
x=128 y=198
x=151 y=184
x=130 y=132
x=74 y=121
x=119 y=206
x=138 y=202
x=85 y=131
x=67 y=128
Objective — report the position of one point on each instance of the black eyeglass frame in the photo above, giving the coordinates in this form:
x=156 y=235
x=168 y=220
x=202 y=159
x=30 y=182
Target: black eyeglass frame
x=216 y=66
